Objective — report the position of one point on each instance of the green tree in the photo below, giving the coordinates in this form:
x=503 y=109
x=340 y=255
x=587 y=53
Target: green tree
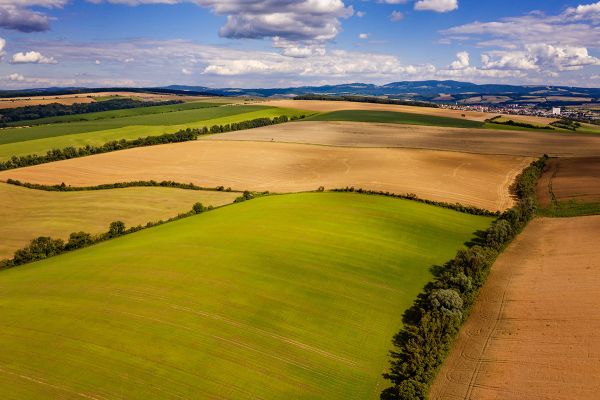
x=116 y=228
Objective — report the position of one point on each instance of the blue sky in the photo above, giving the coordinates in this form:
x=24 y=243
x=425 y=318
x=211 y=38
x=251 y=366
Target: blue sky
x=269 y=43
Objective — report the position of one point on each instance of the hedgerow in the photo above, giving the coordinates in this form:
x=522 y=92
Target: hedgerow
x=432 y=323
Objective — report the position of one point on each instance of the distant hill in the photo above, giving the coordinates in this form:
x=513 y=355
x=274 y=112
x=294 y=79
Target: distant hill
x=433 y=91
x=428 y=91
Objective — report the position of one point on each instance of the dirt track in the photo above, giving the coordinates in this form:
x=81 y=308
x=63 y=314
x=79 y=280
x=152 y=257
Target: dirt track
x=472 y=179
x=534 y=332
x=570 y=179
x=483 y=141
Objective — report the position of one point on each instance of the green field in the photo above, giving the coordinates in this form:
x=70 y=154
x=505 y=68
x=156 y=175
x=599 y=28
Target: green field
x=13 y=135
x=129 y=112
x=27 y=213
x=47 y=137
x=391 y=117
x=282 y=297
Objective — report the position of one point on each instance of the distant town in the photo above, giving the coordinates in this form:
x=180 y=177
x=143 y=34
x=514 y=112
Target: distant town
x=576 y=113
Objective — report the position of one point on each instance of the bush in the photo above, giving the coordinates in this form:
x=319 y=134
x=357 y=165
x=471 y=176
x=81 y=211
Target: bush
x=198 y=208
x=38 y=249
x=78 y=240
x=116 y=228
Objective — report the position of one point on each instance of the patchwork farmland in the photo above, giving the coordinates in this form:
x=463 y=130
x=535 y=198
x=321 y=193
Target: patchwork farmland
x=295 y=286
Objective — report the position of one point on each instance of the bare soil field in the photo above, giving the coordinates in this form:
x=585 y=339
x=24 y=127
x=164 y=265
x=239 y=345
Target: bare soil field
x=360 y=134
x=534 y=331
x=69 y=99
x=472 y=179
x=327 y=106
x=27 y=213
x=568 y=179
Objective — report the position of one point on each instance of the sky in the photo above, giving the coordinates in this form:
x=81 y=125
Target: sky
x=281 y=43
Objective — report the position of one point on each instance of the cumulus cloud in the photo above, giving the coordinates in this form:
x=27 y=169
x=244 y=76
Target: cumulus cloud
x=296 y=20
x=15 y=77
x=18 y=15
x=462 y=61
x=440 y=6
x=576 y=26
x=540 y=57
x=31 y=57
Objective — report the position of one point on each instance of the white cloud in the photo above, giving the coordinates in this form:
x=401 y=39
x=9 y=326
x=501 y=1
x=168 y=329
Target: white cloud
x=97 y=62
x=396 y=16
x=186 y=71
x=15 y=77
x=300 y=20
x=360 y=14
x=363 y=36
x=436 y=5
x=584 y=12
x=31 y=57
x=462 y=61
x=17 y=14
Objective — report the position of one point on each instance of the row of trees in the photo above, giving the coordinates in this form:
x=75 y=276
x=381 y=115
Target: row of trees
x=411 y=196
x=183 y=135
x=566 y=123
x=432 y=323
x=27 y=113
x=365 y=99
x=65 y=188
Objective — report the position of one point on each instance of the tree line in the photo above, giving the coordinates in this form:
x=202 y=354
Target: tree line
x=411 y=196
x=365 y=99
x=119 y=185
x=432 y=323
x=58 y=110
x=183 y=135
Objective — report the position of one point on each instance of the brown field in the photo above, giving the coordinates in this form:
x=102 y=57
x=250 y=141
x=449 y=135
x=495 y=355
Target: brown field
x=529 y=119
x=533 y=333
x=570 y=179
x=359 y=134
x=27 y=214
x=69 y=99
x=327 y=106
x=472 y=179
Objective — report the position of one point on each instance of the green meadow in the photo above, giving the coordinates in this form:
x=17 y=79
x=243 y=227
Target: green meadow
x=281 y=297
x=40 y=139
x=392 y=117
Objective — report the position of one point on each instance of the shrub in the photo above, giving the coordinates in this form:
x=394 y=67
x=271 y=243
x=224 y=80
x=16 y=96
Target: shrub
x=78 y=240
x=116 y=228
x=198 y=208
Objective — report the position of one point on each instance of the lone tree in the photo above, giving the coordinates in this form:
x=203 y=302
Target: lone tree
x=198 y=208
x=116 y=228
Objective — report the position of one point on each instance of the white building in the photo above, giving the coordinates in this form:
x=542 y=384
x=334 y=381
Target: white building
x=556 y=110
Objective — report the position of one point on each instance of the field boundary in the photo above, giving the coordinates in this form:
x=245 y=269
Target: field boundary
x=432 y=324
x=183 y=135
x=119 y=185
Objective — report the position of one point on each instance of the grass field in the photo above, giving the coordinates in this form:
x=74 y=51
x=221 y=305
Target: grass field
x=395 y=118
x=27 y=214
x=304 y=308
x=53 y=136
x=129 y=112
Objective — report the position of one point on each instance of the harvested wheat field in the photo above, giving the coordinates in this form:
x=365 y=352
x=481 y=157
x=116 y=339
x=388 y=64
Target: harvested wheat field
x=533 y=333
x=567 y=179
x=360 y=134
x=478 y=180
x=327 y=106
x=27 y=213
